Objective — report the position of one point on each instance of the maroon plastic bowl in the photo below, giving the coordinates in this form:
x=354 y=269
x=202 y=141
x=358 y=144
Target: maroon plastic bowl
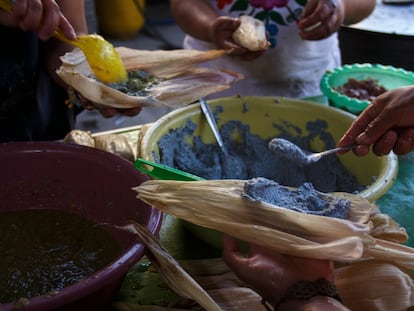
x=91 y=182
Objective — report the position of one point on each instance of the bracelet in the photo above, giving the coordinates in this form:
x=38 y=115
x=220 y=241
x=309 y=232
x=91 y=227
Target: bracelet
x=304 y=290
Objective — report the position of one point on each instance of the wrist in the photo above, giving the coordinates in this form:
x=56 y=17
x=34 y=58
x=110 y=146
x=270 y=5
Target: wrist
x=305 y=290
x=317 y=303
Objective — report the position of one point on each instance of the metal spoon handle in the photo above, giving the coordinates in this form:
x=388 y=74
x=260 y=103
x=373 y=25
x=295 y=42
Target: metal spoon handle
x=317 y=156
x=212 y=122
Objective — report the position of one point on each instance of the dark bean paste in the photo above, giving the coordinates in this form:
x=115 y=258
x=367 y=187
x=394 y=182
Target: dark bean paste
x=44 y=250
x=366 y=89
x=137 y=84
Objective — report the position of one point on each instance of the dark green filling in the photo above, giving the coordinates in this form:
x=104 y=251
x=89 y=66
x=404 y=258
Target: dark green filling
x=137 y=84
x=43 y=251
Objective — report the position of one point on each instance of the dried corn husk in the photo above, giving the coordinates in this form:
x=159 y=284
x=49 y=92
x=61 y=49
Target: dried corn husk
x=163 y=63
x=178 y=280
x=251 y=34
x=116 y=144
x=79 y=137
x=124 y=306
x=183 y=84
x=399 y=255
x=219 y=205
x=386 y=228
x=113 y=143
x=375 y=286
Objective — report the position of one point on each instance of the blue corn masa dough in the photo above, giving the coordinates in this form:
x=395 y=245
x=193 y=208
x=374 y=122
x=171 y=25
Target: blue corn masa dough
x=249 y=156
x=304 y=199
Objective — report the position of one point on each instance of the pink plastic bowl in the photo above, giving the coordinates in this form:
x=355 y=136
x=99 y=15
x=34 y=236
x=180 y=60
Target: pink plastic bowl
x=91 y=182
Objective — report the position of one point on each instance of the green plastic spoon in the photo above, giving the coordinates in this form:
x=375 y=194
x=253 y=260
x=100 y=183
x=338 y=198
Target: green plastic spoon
x=163 y=172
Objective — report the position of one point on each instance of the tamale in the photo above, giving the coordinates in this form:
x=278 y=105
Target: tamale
x=113 y=143
x=181 y=81
x=116 y=144
x=251 y=34
x=79 y=137
x=219 y=205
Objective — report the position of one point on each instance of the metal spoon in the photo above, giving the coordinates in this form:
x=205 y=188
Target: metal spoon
x=101 y=55
x=287 y=149
x=213 y=125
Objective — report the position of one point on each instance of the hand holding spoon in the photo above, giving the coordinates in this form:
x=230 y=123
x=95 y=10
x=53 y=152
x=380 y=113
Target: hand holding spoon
x=100 y=54
x=301 y=157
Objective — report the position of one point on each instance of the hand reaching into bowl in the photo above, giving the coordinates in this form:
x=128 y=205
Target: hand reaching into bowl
x=387 y=124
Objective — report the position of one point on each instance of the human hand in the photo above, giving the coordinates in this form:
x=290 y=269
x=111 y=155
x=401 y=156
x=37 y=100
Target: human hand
x=43 y=17
x=105 y=112
x=271 y=274
x=221 y=35
x=320 y=19
x=387 y=124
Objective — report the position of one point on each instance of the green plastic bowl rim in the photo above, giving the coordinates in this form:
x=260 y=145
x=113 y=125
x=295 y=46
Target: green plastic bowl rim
x=355 y=105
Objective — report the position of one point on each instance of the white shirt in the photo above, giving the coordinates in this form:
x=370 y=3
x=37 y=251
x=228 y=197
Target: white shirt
x=292 y=67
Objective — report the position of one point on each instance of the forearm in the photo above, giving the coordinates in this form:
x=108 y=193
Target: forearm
x=195 y=17
x=317 y=303
x=357 y=10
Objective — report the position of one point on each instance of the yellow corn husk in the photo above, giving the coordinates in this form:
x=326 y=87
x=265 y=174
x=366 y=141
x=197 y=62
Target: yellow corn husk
x=182 y=84
x=375 y=286
x=219 y=205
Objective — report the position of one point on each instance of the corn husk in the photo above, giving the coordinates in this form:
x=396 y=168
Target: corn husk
x=80 y=137
x=113 y=143
x=368 y=285
x=176 y=277
x=399 y=255
x=116 y=144
x=219 y=205
x=375 y=286
x=386 y=228
x=183 y=82
x=251 y=34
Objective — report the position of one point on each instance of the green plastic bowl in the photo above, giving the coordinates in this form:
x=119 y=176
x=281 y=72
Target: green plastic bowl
x=387 y=76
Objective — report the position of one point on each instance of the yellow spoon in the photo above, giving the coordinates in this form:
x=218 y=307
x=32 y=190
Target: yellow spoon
x=101 y=55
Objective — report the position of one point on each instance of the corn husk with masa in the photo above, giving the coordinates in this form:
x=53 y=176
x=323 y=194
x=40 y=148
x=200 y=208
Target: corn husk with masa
x=182 y=81
x=219 y=205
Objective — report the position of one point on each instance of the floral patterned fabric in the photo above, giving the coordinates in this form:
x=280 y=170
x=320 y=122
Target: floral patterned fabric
x=292 y=67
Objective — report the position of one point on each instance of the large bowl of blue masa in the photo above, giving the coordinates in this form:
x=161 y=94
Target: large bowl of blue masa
x=183 y=139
